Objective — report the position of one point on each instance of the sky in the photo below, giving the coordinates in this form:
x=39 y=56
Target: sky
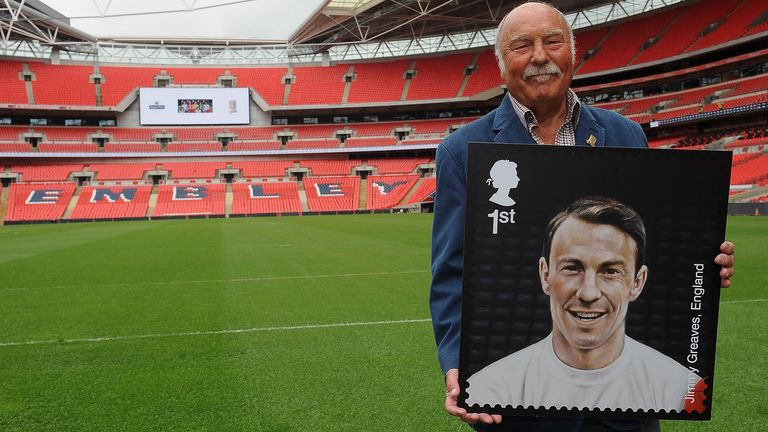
x=188 y=19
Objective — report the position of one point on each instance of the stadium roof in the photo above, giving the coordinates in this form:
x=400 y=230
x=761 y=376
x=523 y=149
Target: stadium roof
x=267 y=31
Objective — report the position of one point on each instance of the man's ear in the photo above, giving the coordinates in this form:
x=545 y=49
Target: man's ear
x=639 y=283
x=544 y=275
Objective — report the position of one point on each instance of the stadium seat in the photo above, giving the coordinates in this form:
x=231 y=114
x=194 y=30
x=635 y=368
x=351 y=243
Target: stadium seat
x=331 y=194
x=38 y=202
x=388 y=191
x=268 y=197
x=190 y=200
x=112 y=202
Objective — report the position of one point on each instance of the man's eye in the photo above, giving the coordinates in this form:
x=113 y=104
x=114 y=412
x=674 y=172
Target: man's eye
x=612 y=272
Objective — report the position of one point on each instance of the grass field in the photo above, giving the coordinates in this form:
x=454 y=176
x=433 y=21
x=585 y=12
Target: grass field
x=270 y=324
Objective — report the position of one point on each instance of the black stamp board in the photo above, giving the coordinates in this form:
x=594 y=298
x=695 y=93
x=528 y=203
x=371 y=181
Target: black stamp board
x=682 y=198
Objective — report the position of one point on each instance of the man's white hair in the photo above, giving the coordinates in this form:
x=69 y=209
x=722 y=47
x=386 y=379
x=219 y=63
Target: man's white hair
x=499 y=41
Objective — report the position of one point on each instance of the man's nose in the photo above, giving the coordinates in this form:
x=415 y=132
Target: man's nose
x=588 y=291
x=539 y=55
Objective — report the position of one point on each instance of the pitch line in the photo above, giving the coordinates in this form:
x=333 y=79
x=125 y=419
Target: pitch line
x=214 y=332
x=757 y=300
x=205 y=281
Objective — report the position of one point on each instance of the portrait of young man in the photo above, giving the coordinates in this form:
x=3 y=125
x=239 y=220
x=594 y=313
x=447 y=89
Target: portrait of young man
x=592 y=267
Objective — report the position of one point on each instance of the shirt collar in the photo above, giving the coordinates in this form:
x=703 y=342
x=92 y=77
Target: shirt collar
x=528 y=119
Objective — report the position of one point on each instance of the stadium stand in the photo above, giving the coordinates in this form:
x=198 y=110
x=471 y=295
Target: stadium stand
x=624 y=41
x=317 y=131
x=421 y=141
x=266 y=81
x=732 y=26
x=45 y=173
x=68 y=147
x=738 y=159
x=195 y=75
x=131 y=147
x=378 y=82
x=588 y=42
x=120 y=81
x=313 y=143
x=436 y=126
x=257 y=133
x=747 y=142
x=190 y=200
x=687 y=27
x=253 y=145
x=193 y=146
x=66 y=134
x=397 y=166
x=53 y=85
x=272 y=197
x=330 y=167
x=193 y=170
x=752 y=171
x=15 y=147
x=267 y=168
x=112 y=202
x=759 y=25
x=486 y=75
x=38 y=202
x=196 y=133
x=439 y=77
x=332 y=194
x=424 y=191
x=317 y=85
x=14 y=89
x=388 y=191
x=664 y=142
x=120 y=171
x=371 y=142
x=12 y=133
x=120 y=134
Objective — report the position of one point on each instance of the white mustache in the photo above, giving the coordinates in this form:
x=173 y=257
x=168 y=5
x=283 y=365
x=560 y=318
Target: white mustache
x=545 y=69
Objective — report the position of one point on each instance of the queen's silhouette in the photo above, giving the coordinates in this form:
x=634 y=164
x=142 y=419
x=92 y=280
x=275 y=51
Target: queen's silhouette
x=503 y=177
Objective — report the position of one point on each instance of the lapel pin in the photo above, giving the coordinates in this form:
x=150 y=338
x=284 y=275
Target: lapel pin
x=592 y=140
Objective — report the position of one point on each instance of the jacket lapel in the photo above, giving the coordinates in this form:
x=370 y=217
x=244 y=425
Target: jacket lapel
x=588 y=132
x=507 y=126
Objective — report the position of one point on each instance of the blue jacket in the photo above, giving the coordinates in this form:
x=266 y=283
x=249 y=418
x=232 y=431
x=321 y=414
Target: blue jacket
x=501 y=126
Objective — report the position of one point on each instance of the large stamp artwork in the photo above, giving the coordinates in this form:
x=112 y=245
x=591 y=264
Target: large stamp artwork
x=589 y=281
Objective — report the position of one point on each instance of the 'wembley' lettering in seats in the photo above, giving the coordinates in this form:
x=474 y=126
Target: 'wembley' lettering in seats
x=44 y=196
x=257 y=191
x=125 y=194
x=329 y=189
x=385 y=188
x=183 y=193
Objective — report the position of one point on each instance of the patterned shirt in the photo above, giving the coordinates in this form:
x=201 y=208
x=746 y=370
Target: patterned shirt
x=566 y=135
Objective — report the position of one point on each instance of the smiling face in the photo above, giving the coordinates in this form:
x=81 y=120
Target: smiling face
x=590 y=279
x=536 y=55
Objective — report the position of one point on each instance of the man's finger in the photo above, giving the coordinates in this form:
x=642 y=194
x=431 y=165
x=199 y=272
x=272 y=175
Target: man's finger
x=724 y=260
x=728 y=248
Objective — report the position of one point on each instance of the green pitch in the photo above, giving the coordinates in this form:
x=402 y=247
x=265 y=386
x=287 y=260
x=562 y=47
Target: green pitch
x=269 y=324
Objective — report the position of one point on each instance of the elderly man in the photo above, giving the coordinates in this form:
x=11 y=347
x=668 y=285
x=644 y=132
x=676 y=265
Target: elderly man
x=592 y=267
x=535 y=50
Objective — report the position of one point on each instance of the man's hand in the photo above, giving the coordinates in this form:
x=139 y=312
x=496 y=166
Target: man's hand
x=726 y=260
x=451 y=397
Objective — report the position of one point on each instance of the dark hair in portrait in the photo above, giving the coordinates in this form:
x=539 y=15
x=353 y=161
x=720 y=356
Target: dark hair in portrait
x=604 y=211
